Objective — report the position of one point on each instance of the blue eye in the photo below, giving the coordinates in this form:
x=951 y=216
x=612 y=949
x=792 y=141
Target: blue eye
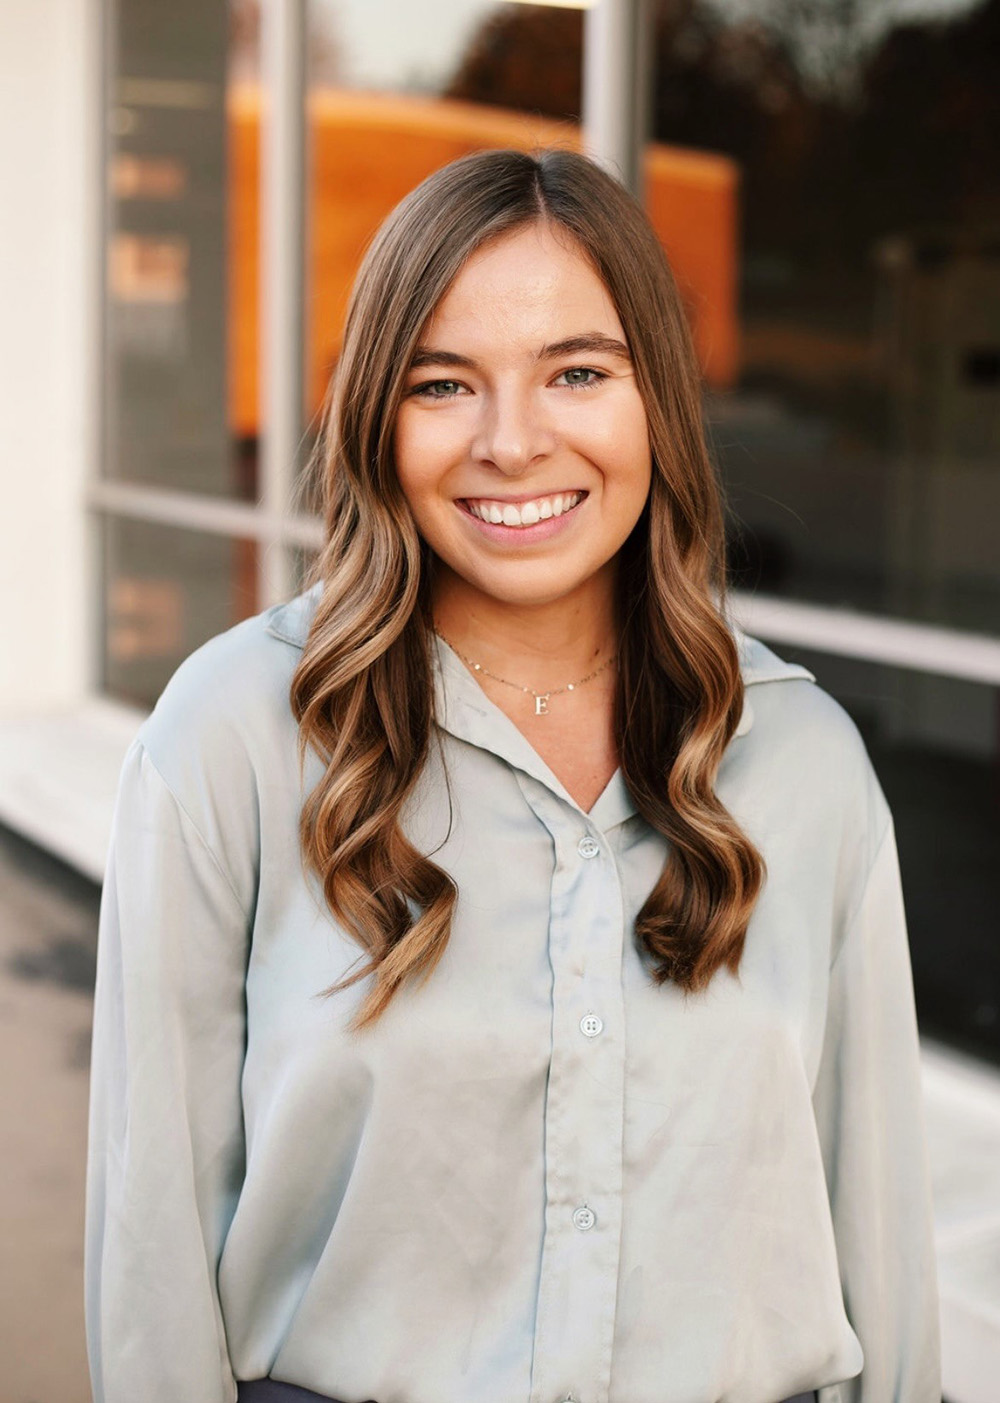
x=594 y=377
x=437 y=389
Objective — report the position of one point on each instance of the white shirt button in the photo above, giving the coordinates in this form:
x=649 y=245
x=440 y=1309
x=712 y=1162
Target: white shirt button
x=591 y=1025
x=584 y=1218
x=586 y=847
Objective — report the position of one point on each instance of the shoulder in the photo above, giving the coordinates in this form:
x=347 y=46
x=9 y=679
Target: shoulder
x=232 y=690
x=804 y=752
x=787 y=704
x=789 y=710
x=222 y=731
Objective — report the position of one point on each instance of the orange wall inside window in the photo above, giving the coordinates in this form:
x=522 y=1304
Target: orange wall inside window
x=367 y=151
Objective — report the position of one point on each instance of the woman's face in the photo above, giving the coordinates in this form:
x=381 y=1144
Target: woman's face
x=521 y=405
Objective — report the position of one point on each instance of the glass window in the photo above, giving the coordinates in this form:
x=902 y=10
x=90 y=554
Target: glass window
x=859 y=435
x=180 y=374
x=167 y=591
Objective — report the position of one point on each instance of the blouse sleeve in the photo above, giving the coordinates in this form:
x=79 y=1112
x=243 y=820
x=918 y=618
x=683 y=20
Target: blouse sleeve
x=869 y=1110
x=166 y=1146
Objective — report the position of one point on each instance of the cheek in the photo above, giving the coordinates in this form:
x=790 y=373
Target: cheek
x=624 y=447
x=418 y=459
x=640 y=449
x=431 y=435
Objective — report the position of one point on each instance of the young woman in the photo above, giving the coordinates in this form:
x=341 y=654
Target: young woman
x=503 y=986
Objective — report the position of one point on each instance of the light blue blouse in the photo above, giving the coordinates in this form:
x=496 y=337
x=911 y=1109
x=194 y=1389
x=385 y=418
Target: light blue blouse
x=540 y=1176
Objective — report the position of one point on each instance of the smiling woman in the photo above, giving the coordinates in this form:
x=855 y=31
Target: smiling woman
x=449 y=1042
x=531 y=446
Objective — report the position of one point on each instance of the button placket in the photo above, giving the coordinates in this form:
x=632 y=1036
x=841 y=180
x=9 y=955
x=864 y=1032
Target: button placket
x=584 y=1118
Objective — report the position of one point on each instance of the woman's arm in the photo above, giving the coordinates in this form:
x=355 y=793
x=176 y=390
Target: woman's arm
x=166 y=1144
x=869 y=1111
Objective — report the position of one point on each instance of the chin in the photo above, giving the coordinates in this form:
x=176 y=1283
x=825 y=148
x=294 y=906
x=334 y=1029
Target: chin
x=523 y=592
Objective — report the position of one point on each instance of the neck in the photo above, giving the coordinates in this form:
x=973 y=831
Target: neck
x=537 y=643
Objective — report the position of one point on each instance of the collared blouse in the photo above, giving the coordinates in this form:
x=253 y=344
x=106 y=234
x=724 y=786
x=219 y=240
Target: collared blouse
x=540 y=1176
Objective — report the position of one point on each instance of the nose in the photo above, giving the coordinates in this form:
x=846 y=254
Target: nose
x=512 y=431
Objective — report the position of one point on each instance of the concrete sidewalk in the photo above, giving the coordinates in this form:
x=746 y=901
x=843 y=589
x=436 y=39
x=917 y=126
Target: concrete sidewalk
x=48 y=925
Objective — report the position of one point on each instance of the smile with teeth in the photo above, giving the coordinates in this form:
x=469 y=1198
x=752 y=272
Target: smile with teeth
x=523 y=513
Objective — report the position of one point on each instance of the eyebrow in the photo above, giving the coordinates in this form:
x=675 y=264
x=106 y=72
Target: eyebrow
x=593 y=341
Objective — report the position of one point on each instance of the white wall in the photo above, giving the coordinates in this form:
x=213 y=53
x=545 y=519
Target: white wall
x=49 y=213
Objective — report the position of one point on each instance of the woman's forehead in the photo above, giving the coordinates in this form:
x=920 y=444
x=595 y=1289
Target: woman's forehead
x=531 y=279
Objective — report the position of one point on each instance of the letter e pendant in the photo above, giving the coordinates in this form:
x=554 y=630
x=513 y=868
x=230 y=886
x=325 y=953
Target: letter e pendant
x=542 y=704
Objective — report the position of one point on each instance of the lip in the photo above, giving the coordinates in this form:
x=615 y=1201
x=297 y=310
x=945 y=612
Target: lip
x=513 y=535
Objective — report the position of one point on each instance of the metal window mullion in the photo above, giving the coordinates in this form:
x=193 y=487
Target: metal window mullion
x=217 y=516
x=99 y=57
x=875 y=638
x=282 y=264
x=617 y=58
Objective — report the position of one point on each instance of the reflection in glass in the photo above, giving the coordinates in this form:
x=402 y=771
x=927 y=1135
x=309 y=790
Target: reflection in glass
x=860 y=440
x=167 y=590
x=177 y=271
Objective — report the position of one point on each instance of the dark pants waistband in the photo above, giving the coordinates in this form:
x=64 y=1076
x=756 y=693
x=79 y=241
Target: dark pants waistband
x=271 y=1391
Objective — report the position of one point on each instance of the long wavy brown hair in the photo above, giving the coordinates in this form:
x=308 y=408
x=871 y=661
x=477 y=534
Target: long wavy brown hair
x=362 y=692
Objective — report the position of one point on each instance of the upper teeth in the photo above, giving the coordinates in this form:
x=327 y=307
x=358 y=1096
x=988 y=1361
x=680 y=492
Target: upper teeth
x=525 y=513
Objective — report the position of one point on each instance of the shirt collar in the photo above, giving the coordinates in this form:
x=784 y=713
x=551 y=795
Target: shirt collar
x=464 y=709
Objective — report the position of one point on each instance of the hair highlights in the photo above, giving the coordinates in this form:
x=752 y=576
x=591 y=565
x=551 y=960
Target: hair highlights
x=362 y=692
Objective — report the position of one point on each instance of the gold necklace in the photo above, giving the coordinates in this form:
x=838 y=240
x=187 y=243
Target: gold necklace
x=541 y=698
